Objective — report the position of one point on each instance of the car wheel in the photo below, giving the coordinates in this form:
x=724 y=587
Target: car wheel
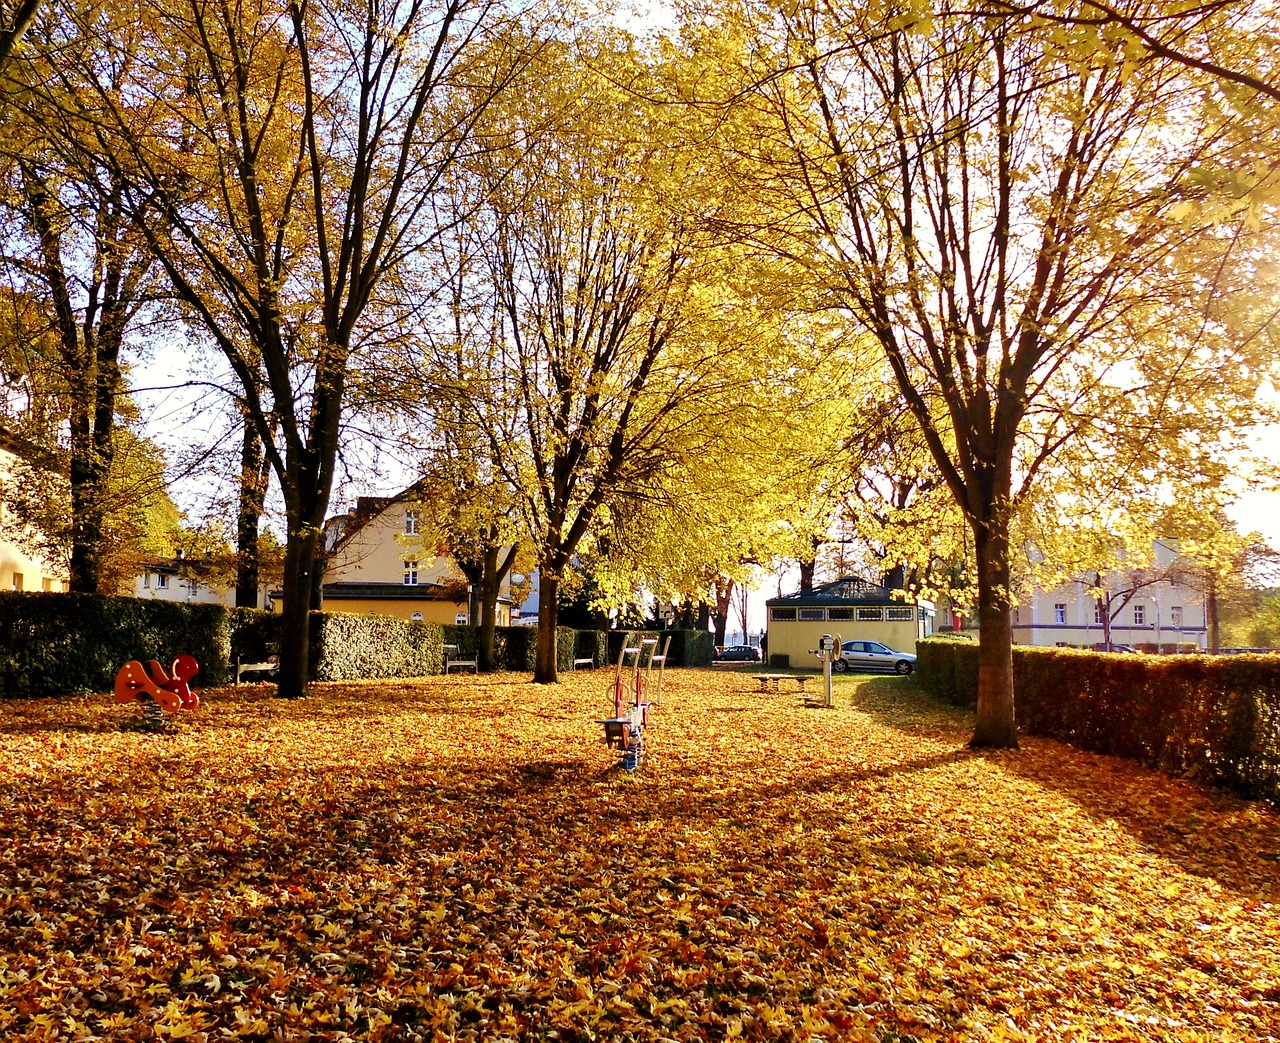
x=839 y=666
x=902 y=667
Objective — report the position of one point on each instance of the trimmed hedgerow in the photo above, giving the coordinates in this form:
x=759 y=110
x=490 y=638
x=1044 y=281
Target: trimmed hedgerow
x=593 y=644
x=688 y=647
x=55 y=644
x=1213 y=717
x=350 y=648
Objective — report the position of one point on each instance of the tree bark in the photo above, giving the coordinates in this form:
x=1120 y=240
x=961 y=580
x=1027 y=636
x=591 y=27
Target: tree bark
x=295 y=630
x=487 y=595
x=253 y=489
x=996 y=727
x=1211 y=614
x=807 y=569
x=545 y=671
x=724 y=596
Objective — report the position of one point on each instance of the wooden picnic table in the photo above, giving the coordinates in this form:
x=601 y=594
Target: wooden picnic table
x=772 y=682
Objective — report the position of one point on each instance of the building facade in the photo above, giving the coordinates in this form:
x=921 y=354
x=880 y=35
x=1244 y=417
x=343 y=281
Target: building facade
x=383 y=565
x=20 y=569
x=1153 y=606
x=850 y=607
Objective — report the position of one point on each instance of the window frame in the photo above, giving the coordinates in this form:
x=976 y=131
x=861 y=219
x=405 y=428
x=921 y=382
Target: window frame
x=410 y=574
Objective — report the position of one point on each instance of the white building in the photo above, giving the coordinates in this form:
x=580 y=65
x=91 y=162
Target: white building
x=1151 y=606
x=181 y=580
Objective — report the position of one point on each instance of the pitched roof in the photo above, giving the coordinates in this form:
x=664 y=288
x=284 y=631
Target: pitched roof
x=848 y=590
x=397 y=592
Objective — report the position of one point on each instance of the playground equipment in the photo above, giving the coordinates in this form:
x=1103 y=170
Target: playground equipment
x=828 y=651
x=633 y=694
x=157 y=690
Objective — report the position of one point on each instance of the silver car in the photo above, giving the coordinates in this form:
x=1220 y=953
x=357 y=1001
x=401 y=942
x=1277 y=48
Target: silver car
x=873 y=656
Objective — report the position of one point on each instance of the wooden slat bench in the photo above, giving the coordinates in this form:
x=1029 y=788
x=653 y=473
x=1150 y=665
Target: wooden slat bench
x=772 y=682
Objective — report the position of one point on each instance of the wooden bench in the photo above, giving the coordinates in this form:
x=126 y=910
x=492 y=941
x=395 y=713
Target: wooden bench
x=269 y=665
x=450 y=651
x=772 y=682
x=589 y=663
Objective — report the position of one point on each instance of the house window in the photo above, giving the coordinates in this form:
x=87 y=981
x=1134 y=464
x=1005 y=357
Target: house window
x=1060 y=613
x=46 y=584
x=411 y=523
x=162 y=580
x=193 y=587
x=17 y=581
x=411 y=572
x=1175 y=616
x=813 y=614
x=870 y=614
x=1097 y=611
x=1139 y=615
x=1017 y=615
x=416 y=617
x=900 y=612
x=460 y=619
x=839 y=613
x=146 y=579
x=782 y=613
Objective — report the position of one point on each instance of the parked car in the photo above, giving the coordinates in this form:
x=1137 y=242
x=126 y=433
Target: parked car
x=1101 y=646
x=873 y=656
x=738 y=654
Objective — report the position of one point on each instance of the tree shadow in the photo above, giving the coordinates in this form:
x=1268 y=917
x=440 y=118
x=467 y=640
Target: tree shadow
x=1209 y=832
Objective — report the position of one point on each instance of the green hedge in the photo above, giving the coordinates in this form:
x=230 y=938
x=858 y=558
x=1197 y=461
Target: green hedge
x=1214 y=717
x=351 y=648
x=593 y=644
x=60 y=643
x=688 y=647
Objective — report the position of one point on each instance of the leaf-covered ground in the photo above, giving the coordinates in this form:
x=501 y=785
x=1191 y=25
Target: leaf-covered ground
x=460 y=858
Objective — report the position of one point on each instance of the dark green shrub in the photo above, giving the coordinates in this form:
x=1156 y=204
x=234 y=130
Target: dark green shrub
x=255 y=635
x=593 y=644
x=516 y=648
x=59 y=643
x=566 y=641
x=616 y=638
x=688 y=647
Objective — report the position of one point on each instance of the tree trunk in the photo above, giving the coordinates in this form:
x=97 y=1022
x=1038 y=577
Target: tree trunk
x=495 y=571
x=253 y=488
x=88 y=494
x=295 y=635
x=544 y=672
x=996 y=727
x=807 y=569
x=724 y=601
x=1211 y=614
x=487 y=593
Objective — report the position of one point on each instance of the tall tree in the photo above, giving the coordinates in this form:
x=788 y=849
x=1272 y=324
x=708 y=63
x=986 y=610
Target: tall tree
x=999 y=214
x=602 y=355
x=294 y=153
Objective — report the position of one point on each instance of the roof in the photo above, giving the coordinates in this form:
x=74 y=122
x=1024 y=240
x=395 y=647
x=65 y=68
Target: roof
x=848 y=590
x=396 y=592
